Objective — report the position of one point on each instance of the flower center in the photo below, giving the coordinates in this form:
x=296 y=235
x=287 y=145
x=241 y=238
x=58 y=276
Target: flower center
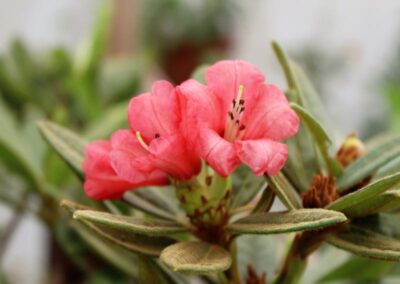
x=234 y=128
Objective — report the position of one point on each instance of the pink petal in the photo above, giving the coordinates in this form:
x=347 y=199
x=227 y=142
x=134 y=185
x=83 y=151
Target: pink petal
x=132 y=162
x=262 y=155
x=271 y=117
x=224 y=78
x=199 y=109
x=101 y=181
x=217 y=152
x=155 y=113
x=171 y=155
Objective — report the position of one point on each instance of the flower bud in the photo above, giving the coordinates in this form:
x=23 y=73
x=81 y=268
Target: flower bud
x=351 y=149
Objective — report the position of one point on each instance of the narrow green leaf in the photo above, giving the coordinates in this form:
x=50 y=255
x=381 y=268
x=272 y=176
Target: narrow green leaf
x=72 y=206
x=196 y=257
x=368 y=164
x=161 y=197
x=137 y=243
x=365 y=193
x=130 y=224
x=16 y=152
x=114 y=254
x=283 y=189
x=285 y=222
x=386 y=202
x=147 y=206
x=133 y=242
x=320 y=136
x=367 y=243
x=376 y=270
x=284 y=62
x=390 y=168
x=250 y=185
x=67 y=144
x=265 y=202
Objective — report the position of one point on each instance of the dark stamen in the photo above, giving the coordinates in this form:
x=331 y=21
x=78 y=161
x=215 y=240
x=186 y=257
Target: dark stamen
x=234 y=103
x=231 y=115
x=241 y=102
x=242 y=127
x=241 y=110
x=156 y=135
x=237 y=121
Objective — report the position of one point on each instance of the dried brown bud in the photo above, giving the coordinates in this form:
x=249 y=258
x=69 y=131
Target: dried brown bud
x=351 y=149
x=321 y=192
x=253 y=278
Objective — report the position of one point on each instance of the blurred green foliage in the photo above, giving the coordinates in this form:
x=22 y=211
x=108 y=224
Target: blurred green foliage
x=88 y=91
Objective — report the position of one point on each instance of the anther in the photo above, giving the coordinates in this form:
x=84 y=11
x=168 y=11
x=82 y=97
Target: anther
x=231 y=115
x=241 y=110
x=157 y=135
x=241 y=102
x=242 y=127
x=233 y=103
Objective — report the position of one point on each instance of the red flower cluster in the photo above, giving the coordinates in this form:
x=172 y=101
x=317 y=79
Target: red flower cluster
x=235 y=118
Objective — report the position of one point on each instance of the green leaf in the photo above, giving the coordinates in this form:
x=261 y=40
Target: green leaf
x=133 y=242
x=92 y=51
x=196 y=257
x=130 y=224
x=147 y=206
x=161 y=197
x=368 y=164
x=365 y=193
x=376 y=270
x=390 y=168
x=16 y=150
x=320 y=136
x=67 y=144
x=285 y=222
x=265 y=202
x=284 y=62
x=250 y=185
x=283 y=189
x=367 y=242
x=385 y=202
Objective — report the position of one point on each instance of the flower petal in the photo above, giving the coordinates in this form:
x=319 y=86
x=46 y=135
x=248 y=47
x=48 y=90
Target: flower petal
x=199 y=109
x=101 y=181
x=132 y=162
x=171 y=155
x=271 y=117
x=155 y=113
x=262 y=155
x=224 y=78
x=218 y=152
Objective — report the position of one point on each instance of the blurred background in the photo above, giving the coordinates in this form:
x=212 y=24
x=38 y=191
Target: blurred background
x=78 y=62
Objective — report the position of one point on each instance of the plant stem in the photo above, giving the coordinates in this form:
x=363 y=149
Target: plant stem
x=296 y=260
x=294 y=264
x=233 y=272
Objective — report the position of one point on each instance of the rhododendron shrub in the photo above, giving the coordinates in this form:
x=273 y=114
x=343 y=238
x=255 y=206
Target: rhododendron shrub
x=203 y=163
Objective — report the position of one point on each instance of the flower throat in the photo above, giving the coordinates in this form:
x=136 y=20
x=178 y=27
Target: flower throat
x=234 y=128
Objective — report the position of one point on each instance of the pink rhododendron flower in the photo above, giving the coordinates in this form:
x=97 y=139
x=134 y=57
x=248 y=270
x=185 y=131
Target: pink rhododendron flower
x=237 y=118
x=155 y=117
x=124 y=153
